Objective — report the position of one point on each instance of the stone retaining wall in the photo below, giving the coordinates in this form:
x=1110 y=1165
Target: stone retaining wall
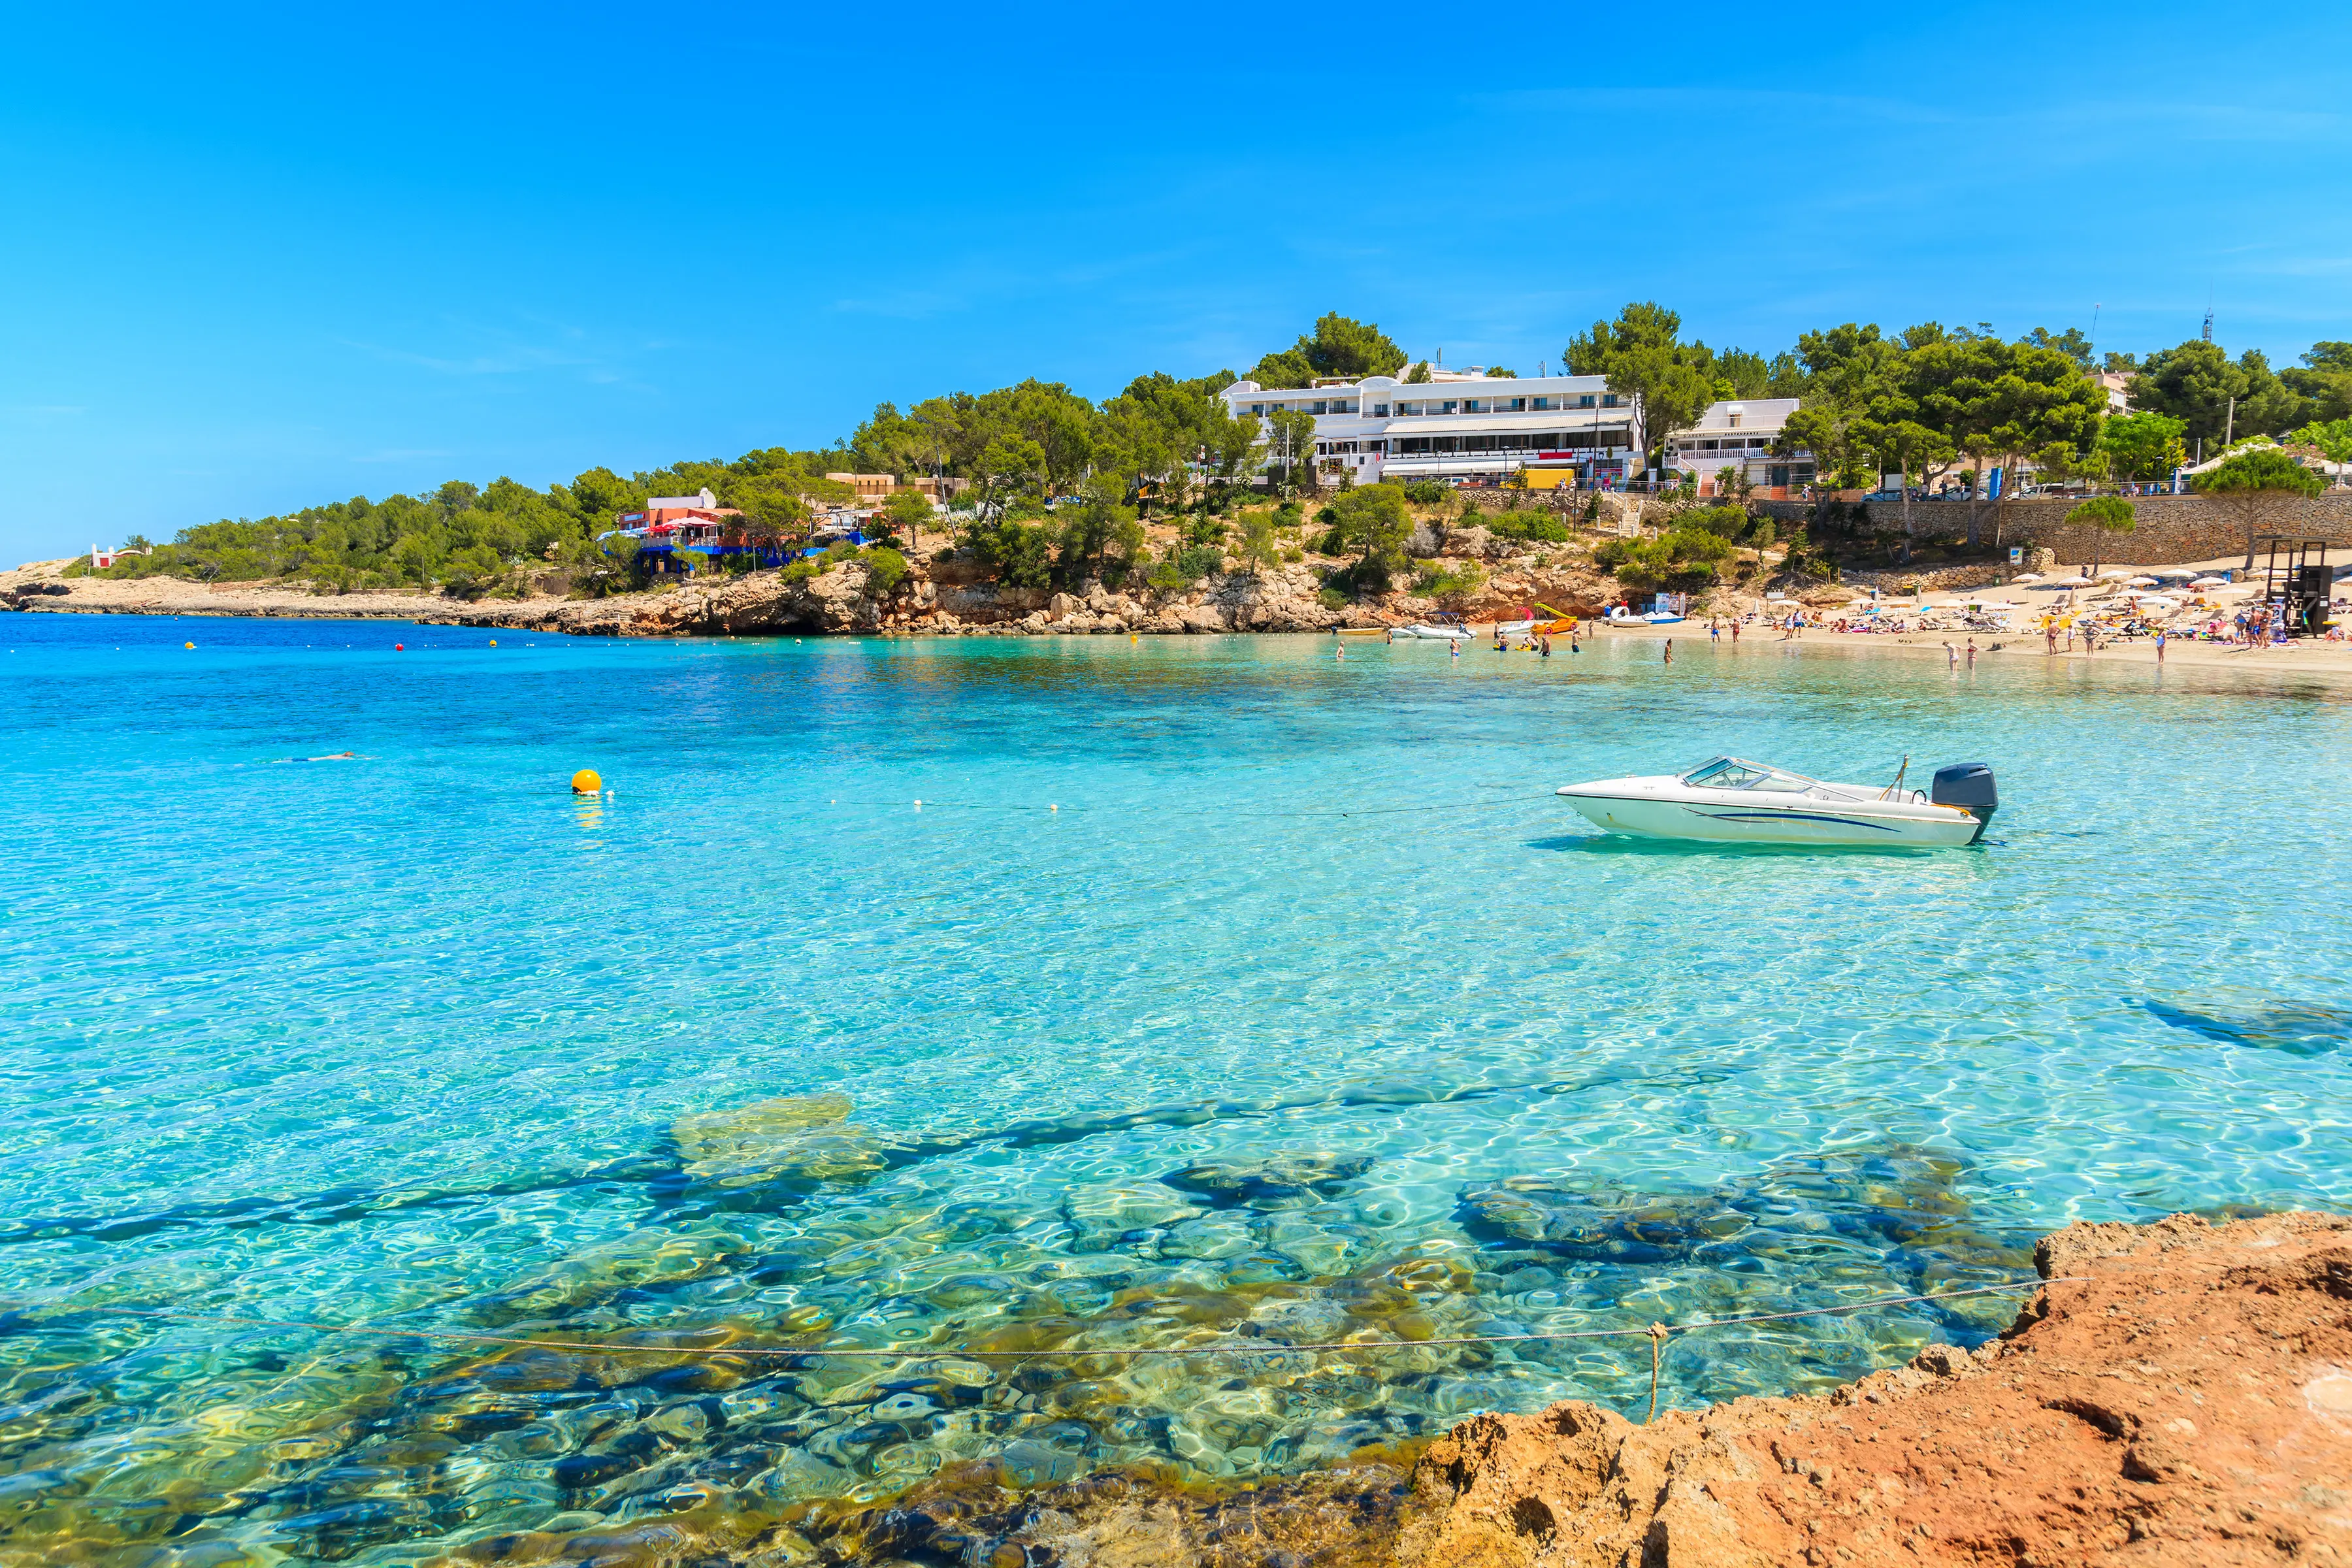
x=2170 y=528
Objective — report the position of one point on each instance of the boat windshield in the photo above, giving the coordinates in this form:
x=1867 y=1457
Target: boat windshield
x=1734 y=773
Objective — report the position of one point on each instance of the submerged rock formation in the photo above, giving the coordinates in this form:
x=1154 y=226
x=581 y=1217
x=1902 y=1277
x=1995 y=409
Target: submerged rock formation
x=2179 y=1393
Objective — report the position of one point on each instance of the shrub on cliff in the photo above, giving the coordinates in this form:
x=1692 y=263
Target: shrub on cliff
x=885 y=570
x=1020 y=553
x=1450 y=585
x=1527 y=527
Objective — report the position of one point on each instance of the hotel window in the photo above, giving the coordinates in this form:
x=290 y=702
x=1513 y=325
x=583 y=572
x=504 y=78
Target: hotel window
x=1608 y=400
x=1379 y=410
x=1406 y=410
x=1321 y=408
x=1541 y=404
x=1519 y=405
x=1258 y=409
x=1586 y=401
x=1450 y=406
x=1473 y=406
x=1707 y=446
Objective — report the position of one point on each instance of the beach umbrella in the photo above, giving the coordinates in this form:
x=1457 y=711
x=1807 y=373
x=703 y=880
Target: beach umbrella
x=2141 y=582
x=2211 y=582
x=2116 y=572
x=2026 y=577
x=2159 y=602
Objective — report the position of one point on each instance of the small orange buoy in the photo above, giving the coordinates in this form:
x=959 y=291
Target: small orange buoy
x=494 y=642
x=400 y=647
x=187 y=645
x=585 y=782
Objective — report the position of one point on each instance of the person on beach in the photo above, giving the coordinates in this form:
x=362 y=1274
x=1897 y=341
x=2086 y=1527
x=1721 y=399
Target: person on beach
x=1714 y=630
x=1454 y=645
x=2160 y=645
x=1952 y=655
x=1735 y=633
x=2049 y=632
x=1972 y=653
x=1670 y=650
x=1547 y=648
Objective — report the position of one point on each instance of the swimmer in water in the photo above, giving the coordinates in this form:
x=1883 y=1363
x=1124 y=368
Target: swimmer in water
x=329 y=757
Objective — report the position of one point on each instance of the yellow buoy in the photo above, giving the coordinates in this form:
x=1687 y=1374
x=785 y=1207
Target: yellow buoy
x=187 y=645
x=585 y=782
x=494 y=642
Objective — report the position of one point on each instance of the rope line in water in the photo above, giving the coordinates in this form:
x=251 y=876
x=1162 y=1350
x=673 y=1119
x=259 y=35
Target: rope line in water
x=927 y=804
x=1657 y=1334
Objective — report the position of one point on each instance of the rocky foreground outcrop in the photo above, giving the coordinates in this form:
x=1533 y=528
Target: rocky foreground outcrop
x=2178 y=1394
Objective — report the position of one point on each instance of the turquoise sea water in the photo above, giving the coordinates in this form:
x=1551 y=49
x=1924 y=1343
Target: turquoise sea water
x=1308 y=1014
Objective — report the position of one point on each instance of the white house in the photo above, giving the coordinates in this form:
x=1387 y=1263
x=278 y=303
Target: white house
x=1741 y=435
x=1463 y=426
x=1472 y=425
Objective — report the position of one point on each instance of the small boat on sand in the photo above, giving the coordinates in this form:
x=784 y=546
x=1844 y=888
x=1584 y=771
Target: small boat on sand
x=1730 y=800
x=1435 y=633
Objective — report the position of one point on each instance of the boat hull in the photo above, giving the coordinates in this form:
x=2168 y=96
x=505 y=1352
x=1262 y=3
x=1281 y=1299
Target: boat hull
x=1758 y=822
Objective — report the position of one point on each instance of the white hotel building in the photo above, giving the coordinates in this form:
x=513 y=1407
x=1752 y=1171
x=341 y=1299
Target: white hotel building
x=1465 y=425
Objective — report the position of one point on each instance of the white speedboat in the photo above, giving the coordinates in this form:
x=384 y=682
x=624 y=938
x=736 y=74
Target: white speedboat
x=1435 y=634
x=1732 y=800
x=1514 y=628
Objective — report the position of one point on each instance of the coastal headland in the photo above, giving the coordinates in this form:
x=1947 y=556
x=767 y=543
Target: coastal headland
x=943 y=597
x=2177 y=1393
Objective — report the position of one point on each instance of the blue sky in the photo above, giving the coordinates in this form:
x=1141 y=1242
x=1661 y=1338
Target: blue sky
x=275 y=256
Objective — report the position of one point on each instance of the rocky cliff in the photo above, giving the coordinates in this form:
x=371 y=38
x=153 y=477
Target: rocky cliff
x=943 y=597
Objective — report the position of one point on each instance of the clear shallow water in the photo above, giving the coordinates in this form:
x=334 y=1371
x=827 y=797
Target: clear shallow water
x=420 y=1039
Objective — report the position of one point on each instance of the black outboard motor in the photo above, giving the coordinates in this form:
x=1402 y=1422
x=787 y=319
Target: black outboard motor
x=1968 y=785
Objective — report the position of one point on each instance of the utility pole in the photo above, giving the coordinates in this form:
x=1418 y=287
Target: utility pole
x=2230 y=428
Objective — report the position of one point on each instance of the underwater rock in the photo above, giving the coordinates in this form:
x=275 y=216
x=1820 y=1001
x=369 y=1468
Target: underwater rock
x=1213 y=1236
x=1894 y=1197
x=2298 y=1029
x=641 y=1258
x=1276 y=1181
x=796 y=1141
x=1101 y=1215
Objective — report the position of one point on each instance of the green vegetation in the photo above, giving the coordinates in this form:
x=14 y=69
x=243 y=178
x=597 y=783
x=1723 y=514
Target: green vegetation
x=1527 y=527
x=1053 y=489
x=1339 y=347
x=2259 y=487
x=2108 y=514
x=2143 y=446
x=2332 y=437
x=1452 y=585
x=1682 y=560
x=1372 y=525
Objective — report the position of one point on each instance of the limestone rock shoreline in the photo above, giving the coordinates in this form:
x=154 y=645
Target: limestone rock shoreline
x=941 y=598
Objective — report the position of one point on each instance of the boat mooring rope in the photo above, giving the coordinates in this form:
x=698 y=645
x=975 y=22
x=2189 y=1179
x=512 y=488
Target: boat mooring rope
x=1488 y=804
x=1657 y=1334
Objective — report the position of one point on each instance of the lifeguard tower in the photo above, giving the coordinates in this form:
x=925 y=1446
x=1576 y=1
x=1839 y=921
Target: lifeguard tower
x=2297 y=581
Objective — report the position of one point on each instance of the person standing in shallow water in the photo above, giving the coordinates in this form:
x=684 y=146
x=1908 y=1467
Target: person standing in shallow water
x=1670 y=650
x=1972 y=653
